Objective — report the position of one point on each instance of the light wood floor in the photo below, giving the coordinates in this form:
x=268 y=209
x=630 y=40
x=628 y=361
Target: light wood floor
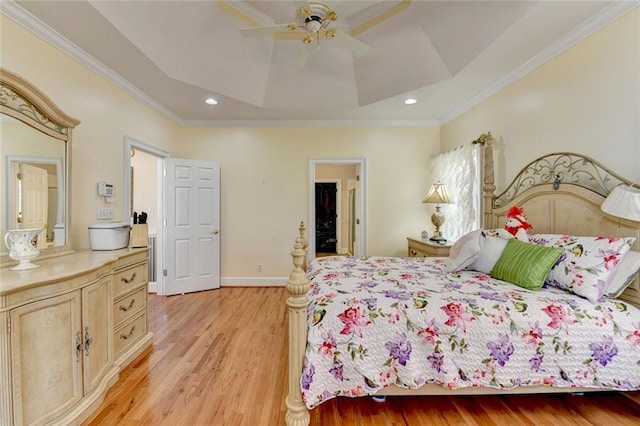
x=213 y=363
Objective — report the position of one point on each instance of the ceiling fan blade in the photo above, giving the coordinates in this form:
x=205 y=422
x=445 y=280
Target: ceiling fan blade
x=302 y=55
x=358 y=47
x=256 y=31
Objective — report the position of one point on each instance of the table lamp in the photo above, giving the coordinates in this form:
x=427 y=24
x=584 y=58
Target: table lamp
x=437 y=195
x=623 y=202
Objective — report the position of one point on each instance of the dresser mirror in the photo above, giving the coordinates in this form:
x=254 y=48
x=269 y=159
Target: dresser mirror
x=35 y=146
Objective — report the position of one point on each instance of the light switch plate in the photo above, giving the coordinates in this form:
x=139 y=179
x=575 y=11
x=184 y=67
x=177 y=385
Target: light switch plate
x=105 y=213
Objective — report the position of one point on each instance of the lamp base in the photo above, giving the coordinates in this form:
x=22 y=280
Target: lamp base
x=437 y=235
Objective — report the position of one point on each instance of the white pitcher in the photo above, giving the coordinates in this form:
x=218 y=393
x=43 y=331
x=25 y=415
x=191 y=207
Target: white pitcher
x=23 y=246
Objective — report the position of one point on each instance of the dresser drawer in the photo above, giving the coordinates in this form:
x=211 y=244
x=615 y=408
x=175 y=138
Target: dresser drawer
x=127 y=335
x=427 y=248
x=130 y=278
x=129 y=305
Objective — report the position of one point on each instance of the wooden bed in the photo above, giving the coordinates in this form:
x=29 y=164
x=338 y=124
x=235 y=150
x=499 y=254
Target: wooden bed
x=561 y=193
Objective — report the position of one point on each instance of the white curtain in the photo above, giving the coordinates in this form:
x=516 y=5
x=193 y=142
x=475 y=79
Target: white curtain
x=459 y=170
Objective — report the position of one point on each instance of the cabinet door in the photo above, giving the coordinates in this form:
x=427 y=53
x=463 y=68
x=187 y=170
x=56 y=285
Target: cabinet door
x=96 y=332
x=46 y=367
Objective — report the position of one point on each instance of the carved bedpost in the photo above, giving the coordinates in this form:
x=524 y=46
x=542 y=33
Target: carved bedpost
x=305 y=244
x=488 y=179
x=297 y=286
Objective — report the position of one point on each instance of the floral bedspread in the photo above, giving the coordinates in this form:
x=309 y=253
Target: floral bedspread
x=381 y=321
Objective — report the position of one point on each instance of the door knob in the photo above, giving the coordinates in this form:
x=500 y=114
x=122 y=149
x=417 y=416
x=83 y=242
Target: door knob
x=215 y=232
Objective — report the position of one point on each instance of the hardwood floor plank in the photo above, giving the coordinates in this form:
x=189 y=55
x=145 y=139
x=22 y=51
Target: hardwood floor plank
x=220 y=358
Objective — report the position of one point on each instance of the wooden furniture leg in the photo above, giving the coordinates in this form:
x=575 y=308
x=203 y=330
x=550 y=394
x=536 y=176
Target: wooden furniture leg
x=297 y=286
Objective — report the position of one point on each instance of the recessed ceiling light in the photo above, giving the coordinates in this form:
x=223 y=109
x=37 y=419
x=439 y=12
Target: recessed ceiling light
x=410 y=101
x=211 y=101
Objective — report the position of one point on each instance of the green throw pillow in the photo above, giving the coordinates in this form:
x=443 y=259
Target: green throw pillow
x=524 y=264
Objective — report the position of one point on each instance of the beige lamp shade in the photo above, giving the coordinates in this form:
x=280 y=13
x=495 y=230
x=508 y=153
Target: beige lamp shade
x=623 y=202
x=437 y=194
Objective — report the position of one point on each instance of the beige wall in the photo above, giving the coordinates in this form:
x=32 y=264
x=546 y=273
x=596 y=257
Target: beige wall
x=106 y=113
x=586 y=100
x=263 y=170
x=264 y=182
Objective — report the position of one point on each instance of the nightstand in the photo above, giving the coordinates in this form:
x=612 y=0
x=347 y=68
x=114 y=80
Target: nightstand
x=427 y=248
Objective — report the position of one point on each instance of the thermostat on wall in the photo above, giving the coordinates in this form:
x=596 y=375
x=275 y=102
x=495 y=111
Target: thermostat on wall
x=105 y=189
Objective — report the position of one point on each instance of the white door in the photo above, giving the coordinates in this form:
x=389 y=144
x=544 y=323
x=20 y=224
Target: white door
x=192 y=217
x=34 y=199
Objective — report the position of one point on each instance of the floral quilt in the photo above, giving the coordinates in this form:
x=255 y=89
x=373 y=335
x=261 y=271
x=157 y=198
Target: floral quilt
x=381 y=321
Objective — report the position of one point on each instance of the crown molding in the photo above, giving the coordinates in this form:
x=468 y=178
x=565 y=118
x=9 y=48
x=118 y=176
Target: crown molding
x=590 y=26
x=42 y=30
x=16 y=13
x=310 y=123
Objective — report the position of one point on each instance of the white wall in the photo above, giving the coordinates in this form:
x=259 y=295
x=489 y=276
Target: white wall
x=586 y=100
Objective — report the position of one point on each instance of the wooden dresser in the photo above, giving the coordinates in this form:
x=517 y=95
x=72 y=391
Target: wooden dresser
x=67 y=328
x=418 y=247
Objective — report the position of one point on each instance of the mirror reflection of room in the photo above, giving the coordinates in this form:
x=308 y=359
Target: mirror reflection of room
x=32 y=190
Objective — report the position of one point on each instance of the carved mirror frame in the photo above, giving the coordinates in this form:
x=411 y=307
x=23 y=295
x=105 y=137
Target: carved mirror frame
x=23 y=101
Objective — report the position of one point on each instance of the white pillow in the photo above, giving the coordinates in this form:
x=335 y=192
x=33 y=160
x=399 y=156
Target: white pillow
x=627 y=271
x=588 y=264
x=492 y=248
x=464 y=251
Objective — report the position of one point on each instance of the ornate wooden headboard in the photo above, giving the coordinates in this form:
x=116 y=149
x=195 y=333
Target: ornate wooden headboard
x=561 y=193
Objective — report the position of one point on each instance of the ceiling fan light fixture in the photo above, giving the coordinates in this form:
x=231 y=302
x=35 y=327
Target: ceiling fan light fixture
x=410 y=101
x=307 y=40
x=210 y=101
x=314 y=24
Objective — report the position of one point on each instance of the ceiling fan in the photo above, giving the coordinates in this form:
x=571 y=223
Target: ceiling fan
x=313 y=19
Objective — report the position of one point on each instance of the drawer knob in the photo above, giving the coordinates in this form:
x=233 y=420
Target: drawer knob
x=128 y=336
x=88 y=340
x=79 y=346
x=127 y=308
x=130 y=280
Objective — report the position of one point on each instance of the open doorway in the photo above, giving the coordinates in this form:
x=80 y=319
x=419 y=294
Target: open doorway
x=142 y=192
x=337 y=219
x=328 y=217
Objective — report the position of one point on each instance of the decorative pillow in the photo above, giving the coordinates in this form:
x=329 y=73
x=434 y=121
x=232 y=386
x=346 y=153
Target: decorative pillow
x=524 y=264
x=492 y=248
x=627 y=271
x=588 y=263
x=464 y=251
x=493 y=232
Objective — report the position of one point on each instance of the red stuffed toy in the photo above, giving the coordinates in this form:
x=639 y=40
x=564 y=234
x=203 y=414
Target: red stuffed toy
x=516 y=226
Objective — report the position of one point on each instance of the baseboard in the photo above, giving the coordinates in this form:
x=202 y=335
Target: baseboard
x=240 y=282
x=253 y=282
